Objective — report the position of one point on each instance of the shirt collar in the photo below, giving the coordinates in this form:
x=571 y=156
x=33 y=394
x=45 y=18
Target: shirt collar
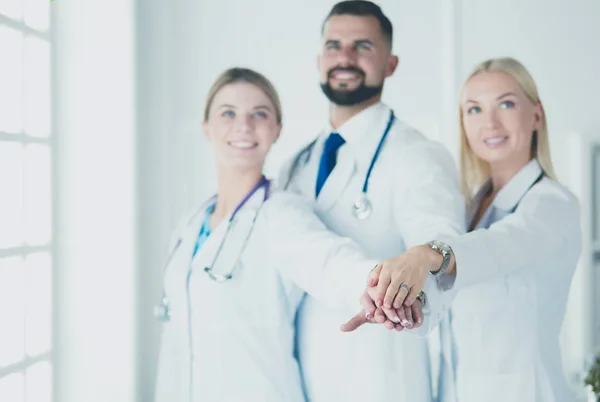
x=371 y=120
x=510 y=195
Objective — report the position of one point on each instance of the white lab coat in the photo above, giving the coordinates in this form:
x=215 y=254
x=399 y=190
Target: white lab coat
x=513 y=280
x=415 y=196
x=234 y=341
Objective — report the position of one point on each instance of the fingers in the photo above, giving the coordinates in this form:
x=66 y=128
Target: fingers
x=412 y=296
x=364 y=316
x=409 y=317
x=373 y=276
x=391 y=314
x=382 y=286
x=389 y=325
x=402 y=316
x=368 y=305
x=391 y=319
x=401 y=295
x=380 y=316
x=417 y=312
x=390 y=294
x=354 y=323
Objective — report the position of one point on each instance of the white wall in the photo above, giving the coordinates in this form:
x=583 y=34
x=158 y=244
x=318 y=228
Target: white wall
x=156 y=159
x=190 y=42
x=94 y=230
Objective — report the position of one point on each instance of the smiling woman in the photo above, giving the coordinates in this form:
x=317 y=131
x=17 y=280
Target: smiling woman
x=242 y=132
x=503 y=124
x=514 y=269
x=239 y=264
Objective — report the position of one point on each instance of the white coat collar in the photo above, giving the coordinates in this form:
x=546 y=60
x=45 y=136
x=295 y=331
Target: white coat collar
x=510 y=195
x=250 y=207
x=370 y=122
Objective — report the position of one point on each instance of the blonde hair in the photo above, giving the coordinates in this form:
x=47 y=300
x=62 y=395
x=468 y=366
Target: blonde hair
x=474 y=170
x=237 y=74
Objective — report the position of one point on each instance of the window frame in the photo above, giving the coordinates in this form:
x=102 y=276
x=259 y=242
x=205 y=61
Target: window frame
x=49 y=248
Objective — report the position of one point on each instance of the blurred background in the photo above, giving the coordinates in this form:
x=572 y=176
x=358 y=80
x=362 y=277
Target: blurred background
x=101 y=152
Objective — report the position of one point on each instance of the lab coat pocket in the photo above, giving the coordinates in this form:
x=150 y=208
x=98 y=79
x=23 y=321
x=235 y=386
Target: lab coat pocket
x=493 y=326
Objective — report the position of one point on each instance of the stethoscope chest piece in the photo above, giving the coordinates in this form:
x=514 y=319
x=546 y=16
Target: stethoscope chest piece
x=216 y=277
x=162 y=311
x=362 y=208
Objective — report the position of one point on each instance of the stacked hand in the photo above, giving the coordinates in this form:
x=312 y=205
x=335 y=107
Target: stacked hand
x=410 y=317
x=392 y=289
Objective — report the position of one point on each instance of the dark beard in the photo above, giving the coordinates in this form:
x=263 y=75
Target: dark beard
x=350 y=98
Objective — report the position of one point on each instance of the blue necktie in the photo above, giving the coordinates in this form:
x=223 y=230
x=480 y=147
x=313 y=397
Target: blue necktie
x=328 y=158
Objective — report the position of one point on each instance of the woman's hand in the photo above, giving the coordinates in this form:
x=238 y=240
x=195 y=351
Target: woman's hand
x=399 y=280
x=392 y=290
x=409 y=317
x=369 y=314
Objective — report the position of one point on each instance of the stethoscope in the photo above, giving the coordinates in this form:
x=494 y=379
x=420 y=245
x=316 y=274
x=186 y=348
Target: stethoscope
x=362 y=207
x=219 y=278
x=162 y=311
x=536 y=181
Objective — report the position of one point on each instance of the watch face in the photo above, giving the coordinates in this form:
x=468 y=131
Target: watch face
x=440 y=245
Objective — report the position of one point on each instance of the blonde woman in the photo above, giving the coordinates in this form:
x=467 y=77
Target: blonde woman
x=513 y=271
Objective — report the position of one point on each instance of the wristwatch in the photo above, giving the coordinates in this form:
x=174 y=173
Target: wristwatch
x=445 y=251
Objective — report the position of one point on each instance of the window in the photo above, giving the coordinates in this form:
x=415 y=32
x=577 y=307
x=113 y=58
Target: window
x=25 y=202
